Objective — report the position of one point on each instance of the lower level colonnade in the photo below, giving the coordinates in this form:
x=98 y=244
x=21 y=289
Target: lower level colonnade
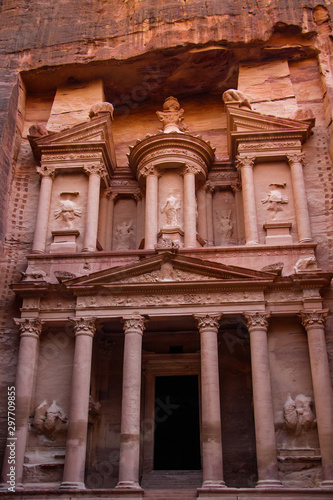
x=211 y=434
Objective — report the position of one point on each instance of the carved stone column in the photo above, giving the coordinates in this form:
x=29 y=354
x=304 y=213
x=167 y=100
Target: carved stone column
x=190 y=219
x=212 y=463
x=138 y=199
x=210 y=226
x=109 y=219
x=130 y=409
x=202 y=213
x=262 y=400
x=301 y=207
x=30 y=330
x=90 y=237
x=47 y=174
x=103 y=209
x=73 y=478
x=245 y=165
x=151 y=218
x=314 y=324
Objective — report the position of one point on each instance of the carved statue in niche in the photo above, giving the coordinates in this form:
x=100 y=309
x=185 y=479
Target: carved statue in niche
x=224 y=224
x=275 y=199
x=298 y=415
x=124 y=235
x=50 y=420
x=68 y=209
x=171 y=209
x=172 y=116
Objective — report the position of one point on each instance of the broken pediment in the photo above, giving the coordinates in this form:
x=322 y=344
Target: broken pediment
x=245 y=125
x=167 y=268
x=91 y=138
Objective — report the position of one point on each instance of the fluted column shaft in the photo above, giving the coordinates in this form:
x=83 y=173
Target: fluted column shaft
x=212 y=463
x=130 y=408
x=314 y=323
x=245 y=165
x=262 y=400
x=90 y=237
x=76 y=444
x=151 y=219
x=30 y=330
x=190 y=220
x=43 y=210
x=300 y=199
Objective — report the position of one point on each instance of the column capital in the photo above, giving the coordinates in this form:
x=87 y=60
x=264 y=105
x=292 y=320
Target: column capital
x=97 y=169
x=46 y=171
x=150 y=170
x=296 y=157
x=313 y=319
x=110 y=194
x=257 y=320
x=134 y=324
x=245 y=162
x=84 y=326
x=236 y=187
x=189 y=169
x=208 y=321
x=29 y=327
x=209 y=187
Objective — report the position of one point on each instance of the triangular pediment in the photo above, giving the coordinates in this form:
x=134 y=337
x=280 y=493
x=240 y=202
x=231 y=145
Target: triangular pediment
x=246 y=125
x=167 y=268
x=95 y=133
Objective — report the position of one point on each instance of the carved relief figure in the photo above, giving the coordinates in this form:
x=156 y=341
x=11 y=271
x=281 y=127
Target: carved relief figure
x=171 y=209
x=224 y=224
x=298 y=415
x=68 y=210
x=275 y=199
x=50 y=419
x=124 y=234
x=233 y=95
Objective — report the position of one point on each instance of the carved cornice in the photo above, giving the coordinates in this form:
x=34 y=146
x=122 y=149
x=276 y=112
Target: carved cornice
x=208 y=322
x=84 y=326
x=256 y=321
x=134 y=324
x=313 y=319
x=29 y=327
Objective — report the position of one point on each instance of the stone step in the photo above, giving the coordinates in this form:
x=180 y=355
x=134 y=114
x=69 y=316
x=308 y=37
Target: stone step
x=173 y=480
x=170 y=494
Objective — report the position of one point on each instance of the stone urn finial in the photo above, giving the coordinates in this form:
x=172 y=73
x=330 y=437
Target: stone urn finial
x=171 y=116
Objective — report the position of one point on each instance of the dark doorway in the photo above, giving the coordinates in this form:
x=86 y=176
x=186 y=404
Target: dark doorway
x=177 y=434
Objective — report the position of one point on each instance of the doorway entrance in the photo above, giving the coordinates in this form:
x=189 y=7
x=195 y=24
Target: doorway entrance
x=177 y=430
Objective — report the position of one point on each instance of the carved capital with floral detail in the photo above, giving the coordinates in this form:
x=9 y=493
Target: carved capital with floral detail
x=46 y=171
x=210 y=188
x=110 y=194
x=295 y=158
x=150 y=169
x=96 y=169
x=29 y=327
x=313 y=319
x=257 y=320
x=190 y=169
x=208 y=322
x=134 y=324
x=84 y=326
x=245 y=162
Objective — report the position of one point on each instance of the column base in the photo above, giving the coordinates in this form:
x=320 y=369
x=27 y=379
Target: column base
x=269 y=483
x=72 y=485
x=328 y=483
x=210 y=483
x=5 y=487
x=129 y=485
x=88 y=249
